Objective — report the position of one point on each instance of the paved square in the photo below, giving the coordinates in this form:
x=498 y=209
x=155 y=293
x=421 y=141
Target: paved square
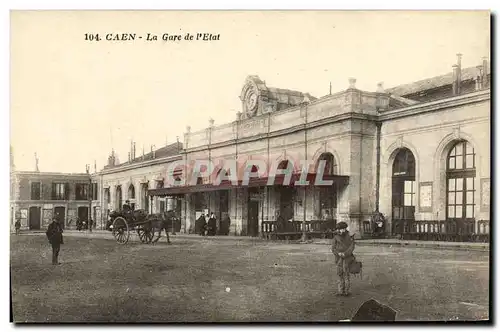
x=102 y=281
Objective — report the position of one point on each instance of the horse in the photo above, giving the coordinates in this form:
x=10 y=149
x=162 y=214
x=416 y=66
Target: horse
x=160 y=222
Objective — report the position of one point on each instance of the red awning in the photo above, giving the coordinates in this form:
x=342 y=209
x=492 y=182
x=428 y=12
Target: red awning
x=339 y=180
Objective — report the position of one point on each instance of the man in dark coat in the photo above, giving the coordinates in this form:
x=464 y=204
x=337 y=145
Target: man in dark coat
x=212 y=224
x=18 y=226
x=342 y=248
x=54 y=234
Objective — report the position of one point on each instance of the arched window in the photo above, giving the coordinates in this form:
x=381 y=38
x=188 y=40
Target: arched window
x=131 y=192
x=460 y=188
x=118 y=197
x=107 y=196
x=145 y=197
x=403 y=186
x=330 y=165
x=131 y=195
x=327 y=194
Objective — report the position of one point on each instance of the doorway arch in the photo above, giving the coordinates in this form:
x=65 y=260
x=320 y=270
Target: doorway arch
x=403 y=190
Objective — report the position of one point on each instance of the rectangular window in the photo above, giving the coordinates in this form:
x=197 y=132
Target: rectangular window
x=469 y=161
x=451 y=164
x=59 y=191
x=409 y=193
x=451 y=198
x=81 y=191
x=469 y=211
x=469 y=183
x=459 y=162
x=451 y=184
x=459 y=184
x=35 y=191
x=458 y=211
x=451 y=211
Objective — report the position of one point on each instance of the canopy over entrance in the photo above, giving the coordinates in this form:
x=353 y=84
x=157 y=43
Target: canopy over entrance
x=279 y=180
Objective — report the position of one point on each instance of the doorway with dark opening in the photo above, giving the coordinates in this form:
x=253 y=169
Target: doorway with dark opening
x=253 y=211
x=34 y=217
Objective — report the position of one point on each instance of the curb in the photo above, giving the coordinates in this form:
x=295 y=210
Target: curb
x=443 y=245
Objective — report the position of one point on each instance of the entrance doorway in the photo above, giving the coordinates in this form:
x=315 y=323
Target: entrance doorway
x=60 y=213
x=83 y=213
x=253 y=212
x=253 y=218
x=287 y=198
x=34 y=217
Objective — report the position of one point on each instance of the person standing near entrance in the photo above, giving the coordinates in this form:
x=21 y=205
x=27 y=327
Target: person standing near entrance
x=54 y=234
x=17 y=225
x=342 y=248
x=212 y=224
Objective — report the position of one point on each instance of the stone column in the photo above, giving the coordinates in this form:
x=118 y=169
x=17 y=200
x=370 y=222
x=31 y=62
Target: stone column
x=190 y=214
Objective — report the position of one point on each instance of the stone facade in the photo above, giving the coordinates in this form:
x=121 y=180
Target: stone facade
x=362 y=131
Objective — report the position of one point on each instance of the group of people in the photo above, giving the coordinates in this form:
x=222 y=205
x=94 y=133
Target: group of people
x=83 y=225
x=206 y=224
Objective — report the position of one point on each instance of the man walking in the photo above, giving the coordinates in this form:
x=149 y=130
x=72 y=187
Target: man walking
x=342 y=248
x=54 y=234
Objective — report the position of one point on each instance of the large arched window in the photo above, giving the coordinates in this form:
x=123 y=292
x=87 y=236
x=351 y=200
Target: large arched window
x=403 y=186
x=327 y=194
x=460 y=175
x=330 y=165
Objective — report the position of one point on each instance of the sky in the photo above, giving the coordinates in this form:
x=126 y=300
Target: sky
x=73 y=100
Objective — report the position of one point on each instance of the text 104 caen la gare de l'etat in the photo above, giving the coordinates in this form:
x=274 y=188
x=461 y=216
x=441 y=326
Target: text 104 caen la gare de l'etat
x=200 y=36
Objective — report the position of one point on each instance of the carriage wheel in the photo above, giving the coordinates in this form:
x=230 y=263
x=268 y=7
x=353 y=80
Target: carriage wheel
x=146 y=234
x=121 y=231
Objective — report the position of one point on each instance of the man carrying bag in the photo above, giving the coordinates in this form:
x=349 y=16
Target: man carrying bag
x=342 y=248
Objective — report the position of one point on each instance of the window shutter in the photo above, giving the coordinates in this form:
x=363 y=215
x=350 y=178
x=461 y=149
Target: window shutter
x=66 y=191
x=54 y=191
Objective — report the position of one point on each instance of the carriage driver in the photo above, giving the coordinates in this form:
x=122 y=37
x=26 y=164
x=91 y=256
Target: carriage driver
x=126 y=207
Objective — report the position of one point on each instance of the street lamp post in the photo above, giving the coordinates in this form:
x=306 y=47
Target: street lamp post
x=90 y=198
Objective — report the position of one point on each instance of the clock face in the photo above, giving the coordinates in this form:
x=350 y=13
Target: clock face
x=251 y=101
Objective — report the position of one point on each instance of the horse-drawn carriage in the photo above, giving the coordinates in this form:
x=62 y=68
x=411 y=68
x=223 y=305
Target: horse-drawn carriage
x=148 y=226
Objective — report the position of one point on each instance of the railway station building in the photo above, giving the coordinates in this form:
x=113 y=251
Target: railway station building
x=419 y=153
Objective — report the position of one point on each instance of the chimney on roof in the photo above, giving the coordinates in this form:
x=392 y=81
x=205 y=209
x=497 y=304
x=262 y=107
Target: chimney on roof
x=455 y=80
x=485 y=73
x=380 y=87
x=133 y=157
x=352 y=83
x=479 y=78
x=459 y=78
x=457 y=75
x=131 y=150
x=153 y=152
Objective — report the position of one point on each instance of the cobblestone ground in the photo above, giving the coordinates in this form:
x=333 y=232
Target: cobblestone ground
x=101 y=281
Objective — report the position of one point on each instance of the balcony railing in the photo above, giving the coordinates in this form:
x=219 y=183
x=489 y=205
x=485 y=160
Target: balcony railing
x=443 y=230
